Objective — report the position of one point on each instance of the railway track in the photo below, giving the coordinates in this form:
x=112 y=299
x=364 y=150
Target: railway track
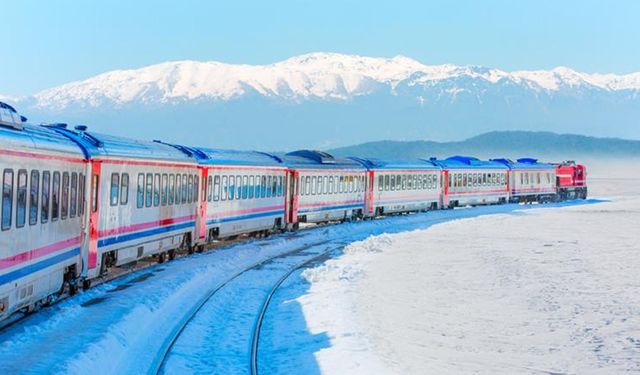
x=158 y=365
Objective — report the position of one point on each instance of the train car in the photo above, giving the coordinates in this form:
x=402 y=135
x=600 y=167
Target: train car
x=142 y=201
x=243 y=192
x=401 y=185
x=470 y=181
x=43 y=207
x=571 y=180
x=530 y=180
x=325 y=188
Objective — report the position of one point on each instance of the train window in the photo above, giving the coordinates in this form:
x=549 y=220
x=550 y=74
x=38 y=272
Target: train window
x=274 y=186
x=245 y=187
x=225 y=189
x=238 y=187
x=538 y=177
x=73 y=203
x=81 y=190
x=156 y=189
x=303 y=185
x=216 y=188
x=21 y=201
x=140 y=195
x=526 y=178
x=548 y=178
x=44 y=202
x=380 y=183
x=313 y=185
x=419 y=182
x=318 y=189
x=281 y=185
x=115 y=188
x=34 y=194
x=409 y=182
x=250 y=187
x=349 y=184
x=7 y=198
x=164 y=188
x=148 y=194
x=55 y=196
x=177 y=188
x=189 y=188
x=268 y=187
x=196 y=188
x=185 y=189
x=325 y=182
x=392 y=183
x=210 y=189
x=64 y=205
x=257 y=187
x=263 y=186
x=386 y=182
x=232 y=187
x=171 y=189
x=124 y=189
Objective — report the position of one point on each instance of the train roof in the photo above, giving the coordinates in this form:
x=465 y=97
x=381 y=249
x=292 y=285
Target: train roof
x=97 y=145
x=468 y=162
x=36 y=137
x=210 y=156
x=397 y=164
x=318 y=159
x=523 y=163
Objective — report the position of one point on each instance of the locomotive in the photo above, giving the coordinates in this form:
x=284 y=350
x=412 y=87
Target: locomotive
x=76 y=203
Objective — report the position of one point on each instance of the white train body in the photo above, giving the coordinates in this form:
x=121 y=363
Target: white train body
x=42 y=216
x=75 y=203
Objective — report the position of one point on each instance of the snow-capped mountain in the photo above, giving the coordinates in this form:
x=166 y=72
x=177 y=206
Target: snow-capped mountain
x=326 y=76
x=329 y=99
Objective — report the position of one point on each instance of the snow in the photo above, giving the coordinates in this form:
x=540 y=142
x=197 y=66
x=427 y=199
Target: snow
x=327 y=76
x=500 y=289
x=548 y=290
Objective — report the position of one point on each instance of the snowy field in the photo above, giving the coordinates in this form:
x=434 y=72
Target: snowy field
x=539 y=291
x=500 y=289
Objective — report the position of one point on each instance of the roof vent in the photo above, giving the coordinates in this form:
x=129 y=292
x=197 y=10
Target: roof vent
x=464 y=159
x=81 y=128
x=9 y=117
x=317 y=156
x=527 y=160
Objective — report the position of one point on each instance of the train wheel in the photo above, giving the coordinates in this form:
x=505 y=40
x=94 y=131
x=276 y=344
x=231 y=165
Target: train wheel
x=172 y=254
x=161 y=257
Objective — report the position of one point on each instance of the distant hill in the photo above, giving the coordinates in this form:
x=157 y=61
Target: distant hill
x=511 y=144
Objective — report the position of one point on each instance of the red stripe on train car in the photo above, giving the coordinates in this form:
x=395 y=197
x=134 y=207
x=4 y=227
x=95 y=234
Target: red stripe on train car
x=150 y=224
x=37 y=253
x=32 y=155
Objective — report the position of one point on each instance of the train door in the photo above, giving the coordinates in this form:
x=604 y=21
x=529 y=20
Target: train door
x=369 y=197
x=291 y=200
x=201 y=214
x=92 y=260
x=444 y=186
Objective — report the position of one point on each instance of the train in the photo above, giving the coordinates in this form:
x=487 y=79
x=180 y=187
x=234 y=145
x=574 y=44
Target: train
x=77 y=203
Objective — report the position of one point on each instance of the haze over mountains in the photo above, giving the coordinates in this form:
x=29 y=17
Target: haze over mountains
x=326 y=100
x=509 y=144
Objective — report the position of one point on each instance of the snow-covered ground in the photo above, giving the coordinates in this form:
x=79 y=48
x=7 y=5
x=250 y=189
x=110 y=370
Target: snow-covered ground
x=511 y=289
x=547 y=290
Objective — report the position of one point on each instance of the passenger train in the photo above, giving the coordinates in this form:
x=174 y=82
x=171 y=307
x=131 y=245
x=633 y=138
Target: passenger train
x=76 y=203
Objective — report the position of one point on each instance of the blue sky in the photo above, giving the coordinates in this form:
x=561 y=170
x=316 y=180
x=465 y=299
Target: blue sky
x=47 y=43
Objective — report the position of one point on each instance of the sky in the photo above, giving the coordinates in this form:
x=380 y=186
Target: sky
x=48 y=43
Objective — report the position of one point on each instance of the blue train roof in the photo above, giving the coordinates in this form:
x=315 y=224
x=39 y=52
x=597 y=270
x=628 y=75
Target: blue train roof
x=523 y=163
x=468 y=162
x=318 y=159
x=374 y=163
x=96 y=145
x=233 y=157
x=38 y=137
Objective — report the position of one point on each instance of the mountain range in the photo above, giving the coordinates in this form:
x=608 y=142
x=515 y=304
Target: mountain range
x=498 y=144
x=327 y=100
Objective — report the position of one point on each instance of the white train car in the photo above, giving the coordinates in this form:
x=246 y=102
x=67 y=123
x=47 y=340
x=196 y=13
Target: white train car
x=143 y=199
x=243 y=192
x=530 y=181
x=325 y=188
x=470 y=181
x=43 y=208
x=401 y=186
